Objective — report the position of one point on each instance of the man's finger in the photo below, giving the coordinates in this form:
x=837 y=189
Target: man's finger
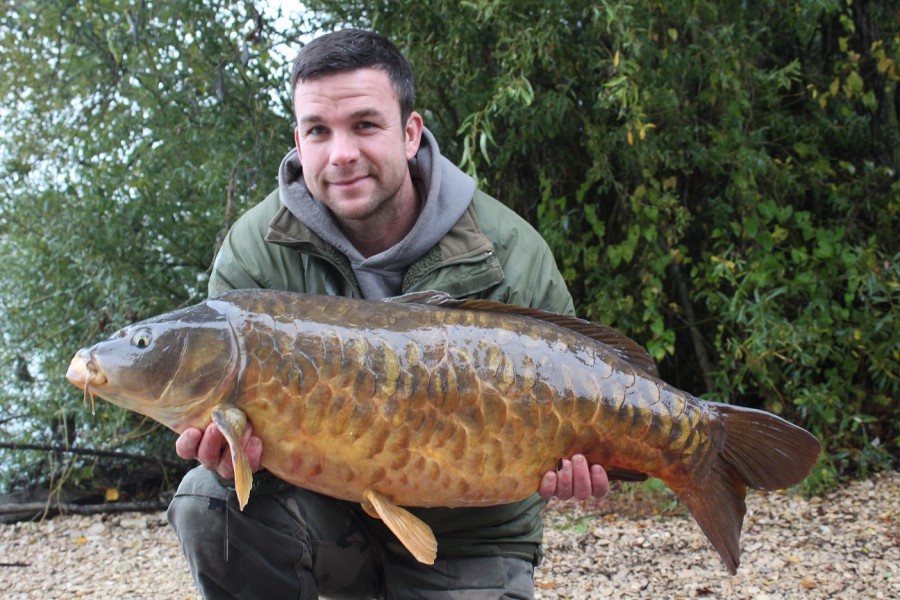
x=599 y=481
x=254 y=453
x=581 y=478
x=547 y=488
x=564 y=480
x=187 y=443
x=209 y=453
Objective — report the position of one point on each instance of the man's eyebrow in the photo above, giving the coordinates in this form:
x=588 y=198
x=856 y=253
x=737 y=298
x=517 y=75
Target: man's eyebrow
x=360 y=114
x=311 y=119
x=366 y=112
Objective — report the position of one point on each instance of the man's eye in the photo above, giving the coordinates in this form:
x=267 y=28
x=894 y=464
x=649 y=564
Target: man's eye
x=314 y=131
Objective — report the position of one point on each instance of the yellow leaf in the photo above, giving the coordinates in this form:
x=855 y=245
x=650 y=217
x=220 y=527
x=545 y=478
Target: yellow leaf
x=779 y=234
x=81 y=540
x=835 y=86
x=112 y=494
x=616 y=58
x=644 y=129
x=630 y=138
x=724 y=261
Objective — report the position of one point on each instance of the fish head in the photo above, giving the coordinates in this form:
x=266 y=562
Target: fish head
x=173 y=368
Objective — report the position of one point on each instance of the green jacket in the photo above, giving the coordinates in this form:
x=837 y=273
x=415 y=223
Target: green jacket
x=490 y=253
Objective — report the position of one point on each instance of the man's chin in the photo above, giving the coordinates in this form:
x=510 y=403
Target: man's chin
x=352 y=209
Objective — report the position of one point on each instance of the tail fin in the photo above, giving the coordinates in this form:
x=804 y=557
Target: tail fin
x=761 y=451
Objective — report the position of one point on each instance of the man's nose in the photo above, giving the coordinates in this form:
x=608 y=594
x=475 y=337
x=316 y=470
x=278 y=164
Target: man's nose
x=344 y=148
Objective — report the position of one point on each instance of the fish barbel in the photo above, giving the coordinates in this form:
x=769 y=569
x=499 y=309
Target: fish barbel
x=425 y=400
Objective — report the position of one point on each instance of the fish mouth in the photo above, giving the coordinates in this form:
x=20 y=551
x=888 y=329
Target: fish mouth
x=86 y=374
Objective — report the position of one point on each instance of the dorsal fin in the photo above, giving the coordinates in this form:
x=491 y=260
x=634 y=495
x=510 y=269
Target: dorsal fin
x=626 y=348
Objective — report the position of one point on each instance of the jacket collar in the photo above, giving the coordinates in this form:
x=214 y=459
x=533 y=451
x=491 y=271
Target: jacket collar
x=464 y=244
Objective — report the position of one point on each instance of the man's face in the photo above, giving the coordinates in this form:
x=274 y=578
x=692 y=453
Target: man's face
x=352 y=145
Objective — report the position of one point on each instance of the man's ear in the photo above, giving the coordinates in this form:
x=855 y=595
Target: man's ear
x=297 y=143
x=414 y=128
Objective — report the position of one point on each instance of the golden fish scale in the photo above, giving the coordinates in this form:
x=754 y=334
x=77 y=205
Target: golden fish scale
x=450 y=408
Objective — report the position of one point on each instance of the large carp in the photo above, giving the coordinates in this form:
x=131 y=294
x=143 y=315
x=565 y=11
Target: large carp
x=425 y=400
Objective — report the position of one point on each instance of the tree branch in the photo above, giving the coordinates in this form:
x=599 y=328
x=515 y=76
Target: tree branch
x=28 y=510
x=93 y=452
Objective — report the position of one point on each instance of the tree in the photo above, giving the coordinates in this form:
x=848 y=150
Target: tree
x=134 y=133
x=717 y=179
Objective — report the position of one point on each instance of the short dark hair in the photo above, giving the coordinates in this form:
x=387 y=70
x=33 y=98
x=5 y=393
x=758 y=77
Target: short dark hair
x=351 y=49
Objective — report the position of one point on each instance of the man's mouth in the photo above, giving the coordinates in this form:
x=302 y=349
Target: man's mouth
x=348 y=182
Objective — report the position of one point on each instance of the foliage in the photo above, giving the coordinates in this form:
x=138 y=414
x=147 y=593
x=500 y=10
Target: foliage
x=133 y=133
x=717 y=179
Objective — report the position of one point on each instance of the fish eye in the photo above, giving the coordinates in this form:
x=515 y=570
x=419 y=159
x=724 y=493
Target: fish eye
x=141 y=339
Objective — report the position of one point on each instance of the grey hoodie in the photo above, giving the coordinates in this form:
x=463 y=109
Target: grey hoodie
x=447 y=194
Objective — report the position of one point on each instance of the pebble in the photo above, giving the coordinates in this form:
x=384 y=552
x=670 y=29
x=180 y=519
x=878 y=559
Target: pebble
x=843 y=545
x=133 y=522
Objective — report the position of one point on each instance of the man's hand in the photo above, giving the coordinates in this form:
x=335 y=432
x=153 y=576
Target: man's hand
x=574 y=480
x=211 y=449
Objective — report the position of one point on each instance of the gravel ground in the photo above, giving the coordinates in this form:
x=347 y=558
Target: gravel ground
x=845 y=545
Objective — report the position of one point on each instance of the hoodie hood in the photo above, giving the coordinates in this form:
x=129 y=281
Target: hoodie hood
x=446 y=192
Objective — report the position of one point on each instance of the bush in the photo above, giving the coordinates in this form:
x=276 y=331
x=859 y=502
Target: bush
x=719 y=180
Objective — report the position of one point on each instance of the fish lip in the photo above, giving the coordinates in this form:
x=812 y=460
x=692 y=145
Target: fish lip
x=84 y=371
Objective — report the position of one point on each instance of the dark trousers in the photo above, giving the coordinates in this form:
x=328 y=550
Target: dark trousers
x=299 y=544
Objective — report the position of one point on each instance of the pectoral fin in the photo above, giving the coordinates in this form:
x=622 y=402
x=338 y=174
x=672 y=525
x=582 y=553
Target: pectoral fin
x=232 y=422
x=409 y=529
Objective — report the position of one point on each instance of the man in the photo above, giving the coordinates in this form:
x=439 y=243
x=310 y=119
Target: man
x=367 y=207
